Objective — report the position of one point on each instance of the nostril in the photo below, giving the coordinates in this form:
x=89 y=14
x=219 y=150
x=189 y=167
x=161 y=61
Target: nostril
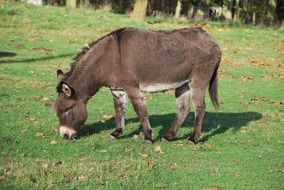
x=65 y=136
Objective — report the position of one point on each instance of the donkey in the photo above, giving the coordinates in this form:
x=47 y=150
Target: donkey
x=131 y=61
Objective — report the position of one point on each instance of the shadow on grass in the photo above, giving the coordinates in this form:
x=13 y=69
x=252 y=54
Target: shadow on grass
x=29 y=60
x=7 y=54
x=213 y=124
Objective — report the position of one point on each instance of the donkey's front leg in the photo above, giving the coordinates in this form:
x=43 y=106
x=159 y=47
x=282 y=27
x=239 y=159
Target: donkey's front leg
x=140 y=107
x=119 y=99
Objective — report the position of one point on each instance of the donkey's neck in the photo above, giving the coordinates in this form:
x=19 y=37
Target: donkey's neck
x=94 y=68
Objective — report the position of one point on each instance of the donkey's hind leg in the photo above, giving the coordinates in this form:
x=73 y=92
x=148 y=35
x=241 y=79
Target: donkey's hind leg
x=119 y=99
x=182 y=102
x=198 y=99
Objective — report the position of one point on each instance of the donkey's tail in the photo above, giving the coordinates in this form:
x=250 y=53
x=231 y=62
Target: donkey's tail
x=213 y=88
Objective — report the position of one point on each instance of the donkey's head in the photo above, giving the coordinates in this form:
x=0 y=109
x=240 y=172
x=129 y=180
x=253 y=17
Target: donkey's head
x=70 y=108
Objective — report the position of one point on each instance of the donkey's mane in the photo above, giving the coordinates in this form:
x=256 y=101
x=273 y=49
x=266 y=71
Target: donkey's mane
x=85 y=49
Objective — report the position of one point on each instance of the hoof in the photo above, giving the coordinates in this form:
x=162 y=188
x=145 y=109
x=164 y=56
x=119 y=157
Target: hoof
x=169 y=136
x=190 y=142
x=164 y=139
x=147 y=141
x=111 y=137
x=116 y=134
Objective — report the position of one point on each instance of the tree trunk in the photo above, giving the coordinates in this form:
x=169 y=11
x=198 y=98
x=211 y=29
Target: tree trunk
x=34 y=2
x=178 y=9
x=139 y=10
x=280 y=12
x=71 y=3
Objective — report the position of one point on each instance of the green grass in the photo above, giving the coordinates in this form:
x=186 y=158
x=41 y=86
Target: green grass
x=243 y=144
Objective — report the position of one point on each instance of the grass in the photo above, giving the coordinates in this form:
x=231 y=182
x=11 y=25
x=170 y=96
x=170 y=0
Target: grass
x=243 y=144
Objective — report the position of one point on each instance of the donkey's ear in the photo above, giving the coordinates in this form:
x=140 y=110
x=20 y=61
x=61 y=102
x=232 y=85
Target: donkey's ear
x=60 y=75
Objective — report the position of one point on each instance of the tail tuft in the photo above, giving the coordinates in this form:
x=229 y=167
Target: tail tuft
x=213 y=89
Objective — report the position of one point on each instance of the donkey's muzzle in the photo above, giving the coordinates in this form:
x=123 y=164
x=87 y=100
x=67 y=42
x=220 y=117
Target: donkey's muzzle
x=67 y=133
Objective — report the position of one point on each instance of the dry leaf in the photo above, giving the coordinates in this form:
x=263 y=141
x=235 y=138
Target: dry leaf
x=108 y=117
x=82 y=177
x=32 y=119
x=247 y=78
x=172 y=165
x=280 y=103
x=158 y=149
x=212 y=188
x=143 y=155
x=56 y=164
x=150 y=164
x=48 y=104
x=44 y=165
x=220 y=101
x=123 y=175
x=41 y=49
x=2 y=178
x=53 y=142
x=21 y=47
x=236 y=51
x=31 y=39
x=8 y=160
x=216 y=169
x=40 y=134
x=260 y=99
x=37 y=97
x=128 y=149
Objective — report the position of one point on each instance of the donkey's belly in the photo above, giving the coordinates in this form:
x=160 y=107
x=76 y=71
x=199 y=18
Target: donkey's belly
x=158 y=87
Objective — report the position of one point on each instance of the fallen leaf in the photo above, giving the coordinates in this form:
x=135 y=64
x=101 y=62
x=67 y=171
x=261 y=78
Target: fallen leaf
x=172 y=165
x=41 y=49
x=150 y=164
x=45 y=99
x=280 y=103
x=37 y=97
x=143 y=155
x=123 y=175
x=31 y=39
x=53 y=142
x=211 y=188
x=2 y=178
x=260 y=99
x=208 y=146
x=216 y=169
x=236 y=51
x=82 y=177
x=158 y=149
x=259 y=63
x=57 y=164
x=40 y=134
x=21 y=47
x=220 y=101
x=108 y=117
x=32 y=119
x=48 y=104
x=128 y=149
x=247 y=78
x=8 y=160
x=44 y=165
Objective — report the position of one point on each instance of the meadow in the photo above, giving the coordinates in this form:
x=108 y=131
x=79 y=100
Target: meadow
x=242 y=146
